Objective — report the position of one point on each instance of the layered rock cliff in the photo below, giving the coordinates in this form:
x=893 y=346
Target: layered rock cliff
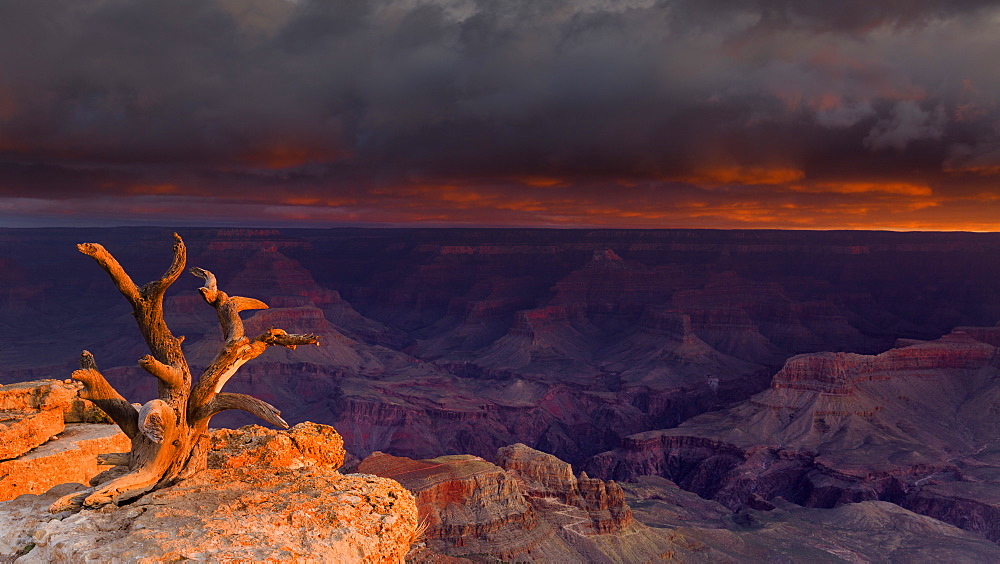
x=914 y=426
x=533 y=509
x=530 y=507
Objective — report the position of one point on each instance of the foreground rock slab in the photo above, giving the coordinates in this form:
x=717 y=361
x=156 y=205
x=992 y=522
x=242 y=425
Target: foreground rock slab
x=287 y=505
x=71 y=457
x=33 y=412
x=49 y=436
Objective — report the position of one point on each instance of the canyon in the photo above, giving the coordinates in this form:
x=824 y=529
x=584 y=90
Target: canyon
x=464 y=341
x=771 y=373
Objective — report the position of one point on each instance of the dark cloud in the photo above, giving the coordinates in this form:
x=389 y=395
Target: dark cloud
x=355 y=103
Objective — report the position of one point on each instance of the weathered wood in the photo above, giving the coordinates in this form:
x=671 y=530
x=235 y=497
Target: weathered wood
x=225 y=400
x=235 y=354
x=170 y=434
x=97 y=389
x=114 y=459
x=227 y=308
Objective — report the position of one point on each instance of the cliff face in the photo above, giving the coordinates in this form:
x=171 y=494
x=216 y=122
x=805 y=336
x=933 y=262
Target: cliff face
x=912 y=426
x=531 y=507
x=269 y=495
x=545 y=477
x=469 y=505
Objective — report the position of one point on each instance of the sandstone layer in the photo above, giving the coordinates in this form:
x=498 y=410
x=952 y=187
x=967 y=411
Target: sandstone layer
x=70 y=456
x=47 y=437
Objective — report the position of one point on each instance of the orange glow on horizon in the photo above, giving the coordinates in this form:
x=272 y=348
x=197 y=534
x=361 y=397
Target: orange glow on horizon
x=751 y=176
x=287 y=155
x=153 y=189
x=901 y=188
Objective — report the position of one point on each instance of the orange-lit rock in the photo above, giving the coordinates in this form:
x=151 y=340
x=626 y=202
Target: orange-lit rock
x=21 y=431
x=42 y=440
x=294 y=505
x=306 y=444
x=532 y=508
x=71 y=456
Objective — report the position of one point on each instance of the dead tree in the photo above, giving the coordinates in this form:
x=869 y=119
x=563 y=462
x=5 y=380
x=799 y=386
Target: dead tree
x=170 y=434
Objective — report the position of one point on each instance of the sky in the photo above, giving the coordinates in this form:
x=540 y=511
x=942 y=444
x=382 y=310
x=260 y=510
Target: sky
x=793 y=114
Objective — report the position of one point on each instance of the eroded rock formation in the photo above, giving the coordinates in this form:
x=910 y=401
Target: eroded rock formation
x=914 y=425
x=868 y=531
x=530 y=507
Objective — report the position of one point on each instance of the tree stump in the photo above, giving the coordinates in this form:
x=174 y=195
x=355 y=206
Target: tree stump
x=170 y=434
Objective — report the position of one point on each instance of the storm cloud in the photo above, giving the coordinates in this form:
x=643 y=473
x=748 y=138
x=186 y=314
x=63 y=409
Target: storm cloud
x=547 y=112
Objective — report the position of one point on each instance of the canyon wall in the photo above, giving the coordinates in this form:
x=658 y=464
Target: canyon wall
x=915 y=426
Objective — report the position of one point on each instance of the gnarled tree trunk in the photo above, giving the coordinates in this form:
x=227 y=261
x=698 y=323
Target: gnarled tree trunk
x=169 y=434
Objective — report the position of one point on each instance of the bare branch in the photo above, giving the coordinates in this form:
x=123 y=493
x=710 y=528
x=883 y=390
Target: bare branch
x=210 y=290
x=223 y=401
x=147 y=306
x=110 y=265
x=239 y=303
x=154 y=290
x=98 y=390
x=290 y=340
x=227 y=308
x=171 y=376
x=234 y=355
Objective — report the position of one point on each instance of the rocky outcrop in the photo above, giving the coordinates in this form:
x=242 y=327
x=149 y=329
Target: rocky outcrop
x=839 y=427
x=32 y=413
x=545 y=476
x=306 y=444
x=47 y=437
x=467 y=504
x=280 y=499
x=70 y=456
x=530 y=507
